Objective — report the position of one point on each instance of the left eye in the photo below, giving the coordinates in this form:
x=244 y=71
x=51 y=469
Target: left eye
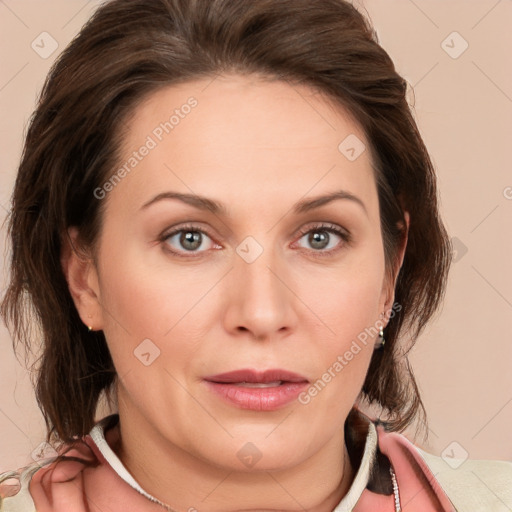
x=323 y=238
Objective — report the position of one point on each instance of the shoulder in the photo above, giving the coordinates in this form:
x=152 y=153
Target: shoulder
x=473 y=484
x=47 y=481
x=14 y=490
x=464 y=485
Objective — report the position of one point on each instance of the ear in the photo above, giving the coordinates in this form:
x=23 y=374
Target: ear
x=388 y=290
x=82 y=278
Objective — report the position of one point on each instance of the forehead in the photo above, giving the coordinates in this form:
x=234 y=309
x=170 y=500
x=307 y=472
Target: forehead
x=242 y=136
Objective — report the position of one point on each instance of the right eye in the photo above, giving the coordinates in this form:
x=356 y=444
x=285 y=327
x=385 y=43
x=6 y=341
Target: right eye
x=188 y=239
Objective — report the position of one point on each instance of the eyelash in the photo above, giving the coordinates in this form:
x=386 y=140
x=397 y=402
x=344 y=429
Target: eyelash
x=329 y=228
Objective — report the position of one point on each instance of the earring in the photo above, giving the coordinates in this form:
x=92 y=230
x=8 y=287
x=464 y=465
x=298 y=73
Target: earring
x=381 y=341
x=89 y=327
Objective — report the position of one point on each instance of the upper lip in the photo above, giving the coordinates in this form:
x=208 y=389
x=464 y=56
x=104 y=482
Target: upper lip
x=256 y=376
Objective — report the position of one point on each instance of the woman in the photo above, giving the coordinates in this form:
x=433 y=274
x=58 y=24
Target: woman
x=225 y=220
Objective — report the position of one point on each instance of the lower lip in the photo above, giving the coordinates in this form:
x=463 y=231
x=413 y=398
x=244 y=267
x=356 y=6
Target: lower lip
x=258 y=399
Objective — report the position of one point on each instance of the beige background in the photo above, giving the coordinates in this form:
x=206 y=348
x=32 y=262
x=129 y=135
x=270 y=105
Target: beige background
x=464 y=110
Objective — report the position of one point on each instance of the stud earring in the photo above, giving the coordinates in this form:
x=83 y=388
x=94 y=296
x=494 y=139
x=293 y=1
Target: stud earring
x=381 y=341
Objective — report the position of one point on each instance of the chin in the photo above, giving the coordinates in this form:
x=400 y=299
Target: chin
x=259 y=453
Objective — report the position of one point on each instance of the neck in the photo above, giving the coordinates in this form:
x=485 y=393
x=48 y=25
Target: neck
x=185 y=482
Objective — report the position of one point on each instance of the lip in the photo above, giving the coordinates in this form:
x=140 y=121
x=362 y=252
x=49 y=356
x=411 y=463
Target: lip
x=283 y=387
x=256 y=376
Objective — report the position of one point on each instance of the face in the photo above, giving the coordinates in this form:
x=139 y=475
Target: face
x=242 y=239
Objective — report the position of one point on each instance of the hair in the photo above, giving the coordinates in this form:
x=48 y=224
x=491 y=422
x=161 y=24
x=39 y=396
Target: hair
x=128 y=50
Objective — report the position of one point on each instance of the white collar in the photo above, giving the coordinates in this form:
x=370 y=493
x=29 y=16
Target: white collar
x=362 y=477
x=98 y=436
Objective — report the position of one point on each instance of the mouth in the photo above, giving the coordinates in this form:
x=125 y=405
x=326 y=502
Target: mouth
x=260 y=385
x=268 y=378
x=256 y=390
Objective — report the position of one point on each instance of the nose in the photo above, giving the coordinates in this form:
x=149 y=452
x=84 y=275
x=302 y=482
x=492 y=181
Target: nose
x=261 y=300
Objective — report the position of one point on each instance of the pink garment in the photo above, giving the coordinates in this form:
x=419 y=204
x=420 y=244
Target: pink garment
x=419 y=490
x=70 y=486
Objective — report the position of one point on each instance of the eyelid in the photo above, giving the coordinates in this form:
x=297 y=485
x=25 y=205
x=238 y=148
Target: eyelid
x=326 y=226
x=184 y=227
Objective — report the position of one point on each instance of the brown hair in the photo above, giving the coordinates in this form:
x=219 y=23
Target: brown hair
x=128 y=50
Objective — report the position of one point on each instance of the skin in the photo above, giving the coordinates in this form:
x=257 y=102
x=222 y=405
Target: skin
x=258 y=147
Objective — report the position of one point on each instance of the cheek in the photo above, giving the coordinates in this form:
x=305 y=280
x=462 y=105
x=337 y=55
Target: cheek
x=350 y=314
x=344 y=344
x=143 y=300
x=344 y=308
x=347 y=298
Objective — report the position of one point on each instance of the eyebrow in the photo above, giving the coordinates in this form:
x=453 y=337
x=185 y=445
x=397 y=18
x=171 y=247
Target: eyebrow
x=207 y=204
